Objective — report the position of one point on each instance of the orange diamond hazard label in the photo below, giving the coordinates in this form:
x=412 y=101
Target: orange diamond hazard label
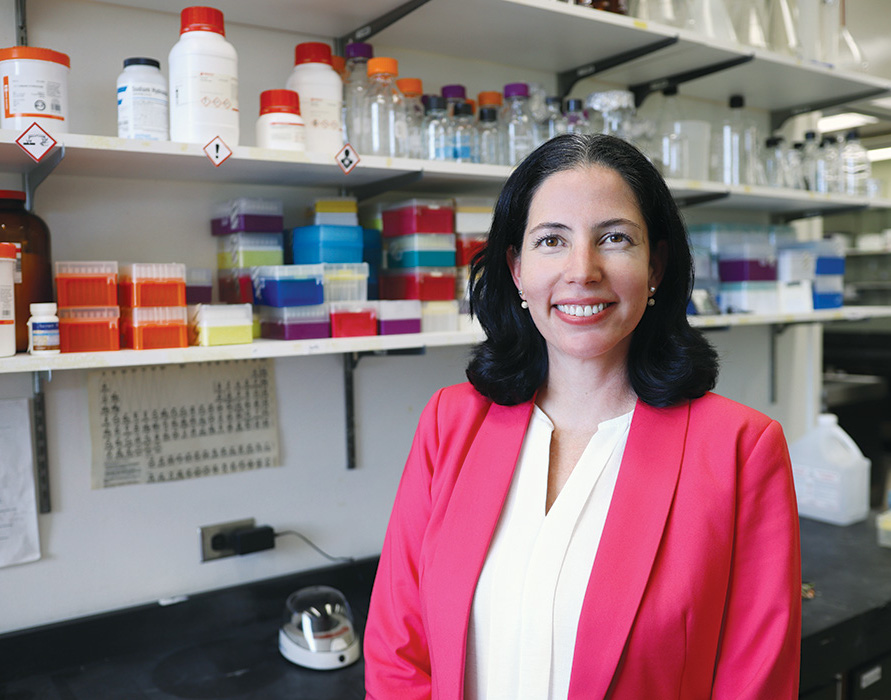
x=217 y=151
x=36 y=142
x=347 y=159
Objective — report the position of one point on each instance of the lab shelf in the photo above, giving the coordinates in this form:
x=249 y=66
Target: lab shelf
x=372 y=344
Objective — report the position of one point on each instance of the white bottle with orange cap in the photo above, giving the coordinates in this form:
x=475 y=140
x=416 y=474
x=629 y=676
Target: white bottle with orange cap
x=321 y=97
x=280 y=124
x=203 y=80
x=35 y=88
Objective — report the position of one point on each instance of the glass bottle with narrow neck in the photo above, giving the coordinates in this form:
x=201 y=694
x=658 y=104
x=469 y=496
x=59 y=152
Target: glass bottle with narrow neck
x=489 y=137
x=519 y=128
x=576 y=119
x=464 y=146
x=437 y=130
x=412 y=89
x=387 y=133
x=355 y=92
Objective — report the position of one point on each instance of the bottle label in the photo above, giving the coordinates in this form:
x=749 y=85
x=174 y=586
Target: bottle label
x=283 y=135
x=7 y=304
x=31 y=96
x=44 y=336
x=143 y=111
x=211 y=91
x=322 y=115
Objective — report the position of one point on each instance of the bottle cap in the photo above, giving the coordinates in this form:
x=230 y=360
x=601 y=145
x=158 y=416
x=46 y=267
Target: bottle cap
x=574 y=105
x=8 y=250
x=454 y=92
x=358 y=49
x=142 y=62
x=489 y=98
x=12 y=194
x=810 y=135
x=338 y=63
x=279 y=101
x=773 y=141
x=383 y=65
x=553 y=101
x=463 y=109
x=516 y=90
x=312 y=52
x=410 y=86
x=488 y=114
x=737 y=102
x=201 y=19
x=36 y=54
x=435 y=102
x=43 y=308
x=853 y=134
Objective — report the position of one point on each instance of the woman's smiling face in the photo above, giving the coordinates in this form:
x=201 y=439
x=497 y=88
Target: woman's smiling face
x=584 y=266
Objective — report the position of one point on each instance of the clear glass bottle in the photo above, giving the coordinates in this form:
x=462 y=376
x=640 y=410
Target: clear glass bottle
x=555 y=123
x=736 y=148
x=671 y=12
x=617 y=110
x=673 y=148
x=464 y=145
x=355 y=93
x=782 y=28
x=489 y=136
x=387 y=131
x=519 y=127
x=412 y=89
x=809 y=160
x=827 y=178
x=437 y=129
x=856 y=167
x=576 y=119
x=794 y=166
x=453 y=94
x=775 y=162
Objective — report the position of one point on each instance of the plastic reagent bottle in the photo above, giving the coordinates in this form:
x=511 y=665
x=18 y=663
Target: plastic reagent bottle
x=355 y=92
x=387 y=130
x=321 y=96
x=464 y=146
x=489 y=136
x=519 y=129
x=203 y=80
x=453 y=94
x=855 y=165
x=412 y=89
x=280 y=124
x=43 y=330
x=437 y=130
x=143 y=104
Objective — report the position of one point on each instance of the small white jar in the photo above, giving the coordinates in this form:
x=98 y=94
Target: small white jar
x=280 y=124
x=143 y=104
x=43 y=329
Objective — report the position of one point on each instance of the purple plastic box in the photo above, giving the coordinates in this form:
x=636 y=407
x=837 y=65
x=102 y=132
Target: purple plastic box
x=399 y=325
x=747 y=270
x=247 y=223
x=295 y=331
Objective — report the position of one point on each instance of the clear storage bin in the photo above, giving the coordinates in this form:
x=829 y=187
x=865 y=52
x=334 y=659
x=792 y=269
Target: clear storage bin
x=439 y=316
x=346 y=281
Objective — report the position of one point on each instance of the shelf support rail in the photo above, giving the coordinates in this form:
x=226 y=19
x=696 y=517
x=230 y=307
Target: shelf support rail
x=642 y=90
x=21 y=23
x=366 y=31
x=350 y=361
x=34 y=177
x=38 y=429
x=568 y=78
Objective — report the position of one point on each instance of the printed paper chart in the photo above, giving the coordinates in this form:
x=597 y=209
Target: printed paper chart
x=172 y=422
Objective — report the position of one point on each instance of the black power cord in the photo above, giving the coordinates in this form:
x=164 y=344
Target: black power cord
x=261 y=537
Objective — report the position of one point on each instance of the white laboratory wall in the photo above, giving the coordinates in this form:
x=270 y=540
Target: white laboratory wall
x=107 y=549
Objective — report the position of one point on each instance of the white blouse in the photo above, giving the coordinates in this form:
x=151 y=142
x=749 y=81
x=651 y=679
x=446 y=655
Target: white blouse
x=529 y=595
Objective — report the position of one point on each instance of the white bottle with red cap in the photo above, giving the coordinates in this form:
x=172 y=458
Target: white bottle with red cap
x=203 y=80
x=321 y=97
x=280 y=124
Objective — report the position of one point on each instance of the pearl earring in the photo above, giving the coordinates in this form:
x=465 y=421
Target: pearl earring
x=651 y=301
x=523 y=304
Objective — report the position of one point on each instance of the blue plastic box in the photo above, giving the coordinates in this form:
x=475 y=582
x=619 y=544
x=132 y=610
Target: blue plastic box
x=326 y=243
x=288 y=285
x=421 y=250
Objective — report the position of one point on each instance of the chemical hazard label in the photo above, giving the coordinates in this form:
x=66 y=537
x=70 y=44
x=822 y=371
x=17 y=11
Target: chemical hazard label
x=347 y=159
x=36 y=141
x=217 y=151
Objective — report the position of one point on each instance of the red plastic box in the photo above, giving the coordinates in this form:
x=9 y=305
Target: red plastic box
x=419 y=216
x=91 y=329
x=350 y=319
x=424 y=283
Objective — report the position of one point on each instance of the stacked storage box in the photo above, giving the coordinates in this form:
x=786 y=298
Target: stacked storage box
x=220 y=324
x=473 y=218
x=152 y=297
x=419 y=253
x=796 y=270
x=830 y=275
x=87 y=296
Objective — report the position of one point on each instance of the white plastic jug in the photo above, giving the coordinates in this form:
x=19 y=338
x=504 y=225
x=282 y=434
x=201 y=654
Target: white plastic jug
x=831 y=474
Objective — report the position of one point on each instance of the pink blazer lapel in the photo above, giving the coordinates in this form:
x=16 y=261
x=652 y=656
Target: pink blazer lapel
x=467 y=529
x=634 y=525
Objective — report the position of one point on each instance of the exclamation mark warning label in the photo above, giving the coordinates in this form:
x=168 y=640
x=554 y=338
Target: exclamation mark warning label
x=217 y=151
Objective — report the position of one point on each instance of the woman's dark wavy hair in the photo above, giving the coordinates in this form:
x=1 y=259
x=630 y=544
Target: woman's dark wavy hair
x=668 y=361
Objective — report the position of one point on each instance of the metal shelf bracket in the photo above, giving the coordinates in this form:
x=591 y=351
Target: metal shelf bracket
x=366 y=31
x=38 y=428
x=642 y=90
x=34 y=177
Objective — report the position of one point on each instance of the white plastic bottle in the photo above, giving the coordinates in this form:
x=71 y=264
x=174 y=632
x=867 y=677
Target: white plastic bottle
x=203 y=80
x=387 y=130
x=43 y=329
x=143 y=105
x=280 y=124
x=321 y=97
x=831 y=474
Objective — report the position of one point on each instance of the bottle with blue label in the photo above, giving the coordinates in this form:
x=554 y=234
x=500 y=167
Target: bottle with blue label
x=437 y=130
x=464 y=137
x=43 y=329
x=143 y=105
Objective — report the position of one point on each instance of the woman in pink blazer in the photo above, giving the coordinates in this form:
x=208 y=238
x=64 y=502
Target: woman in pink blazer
x=681 y=577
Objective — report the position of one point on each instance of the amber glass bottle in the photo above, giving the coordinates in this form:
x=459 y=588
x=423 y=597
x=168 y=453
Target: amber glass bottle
x=33 y=271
